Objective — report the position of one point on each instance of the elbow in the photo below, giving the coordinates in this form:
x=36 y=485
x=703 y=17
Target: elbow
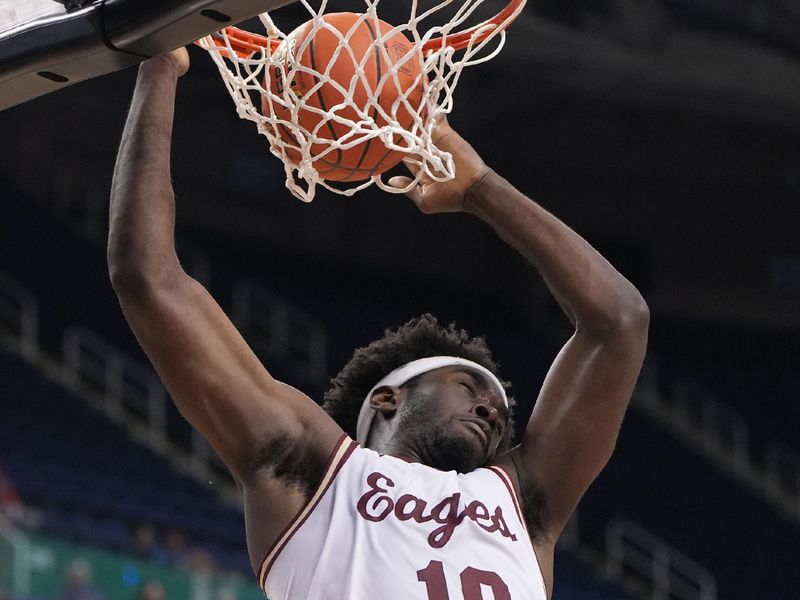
x=137 y=280
x=628 y=317
x=635 y=313
x=128 y=282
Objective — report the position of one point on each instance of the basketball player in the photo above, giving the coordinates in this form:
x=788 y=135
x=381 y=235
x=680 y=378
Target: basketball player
x=405 y=486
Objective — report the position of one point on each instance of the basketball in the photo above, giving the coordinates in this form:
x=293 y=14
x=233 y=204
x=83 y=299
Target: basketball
x=356 y=35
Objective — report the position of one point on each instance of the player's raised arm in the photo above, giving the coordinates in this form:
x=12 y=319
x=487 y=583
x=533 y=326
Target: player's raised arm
x=254 y=422
x=575 y=423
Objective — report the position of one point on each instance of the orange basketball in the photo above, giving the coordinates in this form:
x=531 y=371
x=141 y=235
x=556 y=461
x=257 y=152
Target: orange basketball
x=369 y=157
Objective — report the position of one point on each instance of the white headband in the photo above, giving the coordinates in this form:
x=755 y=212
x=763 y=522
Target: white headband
x=406 y=373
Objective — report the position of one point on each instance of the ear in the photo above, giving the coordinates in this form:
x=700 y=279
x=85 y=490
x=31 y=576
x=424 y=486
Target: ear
x=384 y=400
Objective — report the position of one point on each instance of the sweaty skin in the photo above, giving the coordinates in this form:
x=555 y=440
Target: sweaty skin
x=449 y=418
x=274 y=439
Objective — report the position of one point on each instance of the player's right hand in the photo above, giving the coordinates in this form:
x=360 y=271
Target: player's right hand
x=180 y=58
x=176 y=61
x=445 y=196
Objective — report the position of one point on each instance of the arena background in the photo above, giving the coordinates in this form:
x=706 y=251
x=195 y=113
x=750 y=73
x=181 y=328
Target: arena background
x=666 y=132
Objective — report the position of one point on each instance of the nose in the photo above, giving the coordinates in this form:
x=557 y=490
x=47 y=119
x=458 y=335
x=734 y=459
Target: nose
x=485 y=411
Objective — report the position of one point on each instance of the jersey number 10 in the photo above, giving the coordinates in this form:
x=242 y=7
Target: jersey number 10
x=471 y=580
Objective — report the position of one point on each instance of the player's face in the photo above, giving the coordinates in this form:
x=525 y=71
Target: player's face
x=454 y=419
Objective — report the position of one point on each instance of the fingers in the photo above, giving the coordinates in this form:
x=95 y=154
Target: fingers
x=417 y=171
x=441 y=128
x=180 y=57
x=400 y=182
x=415 y=193
x=412 y=165
x=174 y=63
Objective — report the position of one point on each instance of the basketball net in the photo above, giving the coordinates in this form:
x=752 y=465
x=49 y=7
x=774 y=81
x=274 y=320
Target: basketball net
x=249 y=62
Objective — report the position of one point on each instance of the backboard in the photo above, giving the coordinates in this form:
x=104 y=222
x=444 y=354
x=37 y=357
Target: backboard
x=46 y=45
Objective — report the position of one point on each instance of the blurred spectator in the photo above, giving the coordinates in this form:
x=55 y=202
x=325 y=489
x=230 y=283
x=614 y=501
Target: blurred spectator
x=4 y=595
x=199 y=561
x=10 y=503
x=175 y=546
x=78 y=585
x=152 y=590
x=145 y=543
x=226 y=595
x=176 y=550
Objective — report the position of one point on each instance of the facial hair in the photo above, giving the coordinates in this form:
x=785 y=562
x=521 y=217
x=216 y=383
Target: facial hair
x=442 y=449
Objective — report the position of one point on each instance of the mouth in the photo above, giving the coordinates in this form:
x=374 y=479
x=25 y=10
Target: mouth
x=478 y=431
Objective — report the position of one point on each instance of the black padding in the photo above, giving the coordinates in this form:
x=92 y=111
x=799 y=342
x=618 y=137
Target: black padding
x=105 y=36
x=150 y=27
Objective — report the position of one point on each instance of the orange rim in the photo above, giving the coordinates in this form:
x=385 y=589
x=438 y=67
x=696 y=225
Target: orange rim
x=245 y=43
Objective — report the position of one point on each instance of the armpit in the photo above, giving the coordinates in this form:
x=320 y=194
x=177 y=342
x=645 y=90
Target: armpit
x=535 y=510
x=289 y=461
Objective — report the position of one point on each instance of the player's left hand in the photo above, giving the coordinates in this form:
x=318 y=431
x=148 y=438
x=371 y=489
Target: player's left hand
x=448 y=196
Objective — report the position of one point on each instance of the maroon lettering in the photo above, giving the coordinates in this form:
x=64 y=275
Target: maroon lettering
x=433 y=578
x=472 y=579
x=371 y=510
x=416 y=512
x=501 y=525
x=478 y=512
x=376 y=505
x=446 y=513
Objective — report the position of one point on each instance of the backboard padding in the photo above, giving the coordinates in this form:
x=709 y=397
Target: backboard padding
x=49 y=52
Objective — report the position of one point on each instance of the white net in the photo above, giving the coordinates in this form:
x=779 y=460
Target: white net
x=346 y=96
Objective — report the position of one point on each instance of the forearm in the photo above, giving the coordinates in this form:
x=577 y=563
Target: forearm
x=142 y=211
x=594 y=295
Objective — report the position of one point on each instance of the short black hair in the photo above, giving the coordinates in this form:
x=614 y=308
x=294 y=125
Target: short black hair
x=421 y=337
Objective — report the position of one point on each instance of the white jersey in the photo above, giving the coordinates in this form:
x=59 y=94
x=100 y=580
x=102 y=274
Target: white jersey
x=381 y=528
